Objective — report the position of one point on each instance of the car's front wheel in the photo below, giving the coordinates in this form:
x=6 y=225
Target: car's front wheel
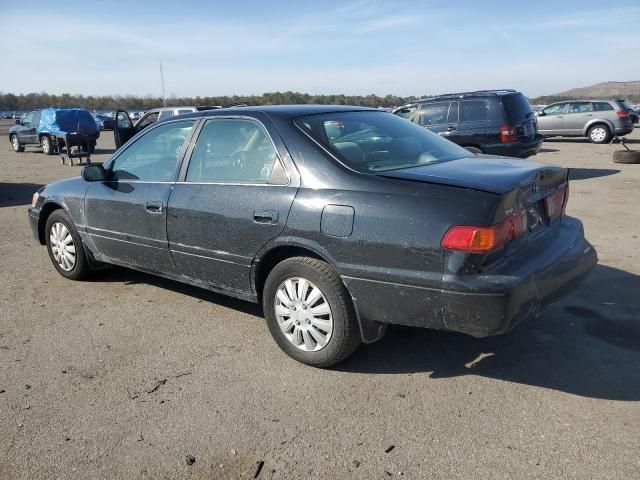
x=15 y=144
x=65 y=247
x=47 y=145
x=309 y=312
x=599 y=134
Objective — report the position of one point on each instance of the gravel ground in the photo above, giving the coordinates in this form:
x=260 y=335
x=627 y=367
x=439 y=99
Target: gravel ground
x=131 y=376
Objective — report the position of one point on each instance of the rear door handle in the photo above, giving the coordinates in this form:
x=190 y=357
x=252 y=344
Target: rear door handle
x=154 y=207
x=451 y=129
x=265 y=216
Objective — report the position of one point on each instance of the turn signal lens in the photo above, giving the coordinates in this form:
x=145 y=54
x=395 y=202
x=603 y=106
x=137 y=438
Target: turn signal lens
x=471 y=239
x=34 y=199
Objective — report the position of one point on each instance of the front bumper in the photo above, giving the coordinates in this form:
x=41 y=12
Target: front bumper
x=487 y=303
x=34 y=218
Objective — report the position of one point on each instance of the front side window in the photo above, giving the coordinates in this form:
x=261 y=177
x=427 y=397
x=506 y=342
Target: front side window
x=28 y=119
x=602 y=106
x=434 y=113
x=555 y=109
x=474 y=111
x=153 y=157
x=232 y=150
x=579 y=107
x=373 y=142
x=148 y=120
x=165 y=114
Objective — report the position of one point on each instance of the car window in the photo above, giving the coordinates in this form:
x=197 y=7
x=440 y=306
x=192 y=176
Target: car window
x=405 y=112
x=183 y=111
x=474 y=111
x=579 y=107
x=27 y=119
x=232 y=151
x=434 y=113
x=623 y=104
x=148 y=120
x=153 y=157
x=453 y=112
x=555 y=109
x=165 y=114
x=373 y=142
x=602 y=106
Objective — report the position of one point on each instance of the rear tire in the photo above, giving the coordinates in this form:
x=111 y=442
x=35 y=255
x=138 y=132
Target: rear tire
x=599 y=134
x=626 y=156
x=65 y=247
x=47 y=145
x=15 y=144
x=309 y=312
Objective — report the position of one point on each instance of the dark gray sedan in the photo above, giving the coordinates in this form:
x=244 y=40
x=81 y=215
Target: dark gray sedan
x=340 y=220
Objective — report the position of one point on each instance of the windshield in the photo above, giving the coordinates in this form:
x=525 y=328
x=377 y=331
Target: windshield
x=371 y=142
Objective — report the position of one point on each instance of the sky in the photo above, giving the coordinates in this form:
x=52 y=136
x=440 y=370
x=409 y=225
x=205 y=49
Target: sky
x=402 y=47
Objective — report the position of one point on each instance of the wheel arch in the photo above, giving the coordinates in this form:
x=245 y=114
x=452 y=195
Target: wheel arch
x=45 y=212
x=599 y=121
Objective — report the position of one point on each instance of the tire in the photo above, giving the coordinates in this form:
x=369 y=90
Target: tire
x=58 y=226
x=47 y=145
x=475 y=150
x=15 y=144
x=599 y=134
x=626 y=156
x=301 y=334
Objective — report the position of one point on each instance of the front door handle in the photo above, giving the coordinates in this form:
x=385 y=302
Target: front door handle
x=154 y=207
x=265 y=216
x=451 y=129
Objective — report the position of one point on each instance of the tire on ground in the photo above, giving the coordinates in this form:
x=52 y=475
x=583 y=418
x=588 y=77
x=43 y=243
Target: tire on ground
x=595 y=130
x=345 y=336
x=47 y=145
x=626 y=156
x=81 y=267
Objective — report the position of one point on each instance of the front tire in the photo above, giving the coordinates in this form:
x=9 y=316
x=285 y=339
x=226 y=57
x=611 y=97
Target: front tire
x=65 y=247
x=47 y=145
x=309 y=312
x=15 y=144
x=599 y=134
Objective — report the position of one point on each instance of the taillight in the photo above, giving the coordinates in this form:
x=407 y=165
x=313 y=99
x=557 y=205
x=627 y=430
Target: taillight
x=555 y=203
x=484 y=239
x=623 y=113
x=508 y=133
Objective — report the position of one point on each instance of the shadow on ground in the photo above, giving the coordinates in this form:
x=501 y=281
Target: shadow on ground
x=586 y=173
x=587 y=345
x=13 y=194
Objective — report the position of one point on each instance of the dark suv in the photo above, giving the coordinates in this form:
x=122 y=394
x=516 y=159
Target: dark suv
x=496 y=122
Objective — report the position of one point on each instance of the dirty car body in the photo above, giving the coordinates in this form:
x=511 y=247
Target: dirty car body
x=420 y=231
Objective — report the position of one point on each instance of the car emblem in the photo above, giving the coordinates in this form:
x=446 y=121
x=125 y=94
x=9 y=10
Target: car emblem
x=535 y=188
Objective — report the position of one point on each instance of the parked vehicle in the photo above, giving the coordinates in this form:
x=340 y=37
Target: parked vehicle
x=108 y=122
x=496 y=122
x=47 y=129
x=125 y=127
x=598 y=120
x=337 y=235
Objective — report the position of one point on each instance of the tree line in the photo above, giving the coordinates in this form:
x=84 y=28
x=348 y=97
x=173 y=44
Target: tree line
x=31 y=101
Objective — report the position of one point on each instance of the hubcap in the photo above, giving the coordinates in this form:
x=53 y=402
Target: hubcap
x=598 y=134
x=45 y=145
x=14 y=141
x=62 y=246
x=303 y=314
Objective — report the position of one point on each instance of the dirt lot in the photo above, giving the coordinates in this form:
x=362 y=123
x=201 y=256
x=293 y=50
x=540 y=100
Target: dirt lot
x=126 y=375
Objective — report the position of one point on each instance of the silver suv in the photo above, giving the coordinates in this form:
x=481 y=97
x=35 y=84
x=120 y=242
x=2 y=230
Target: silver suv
x=598 y=120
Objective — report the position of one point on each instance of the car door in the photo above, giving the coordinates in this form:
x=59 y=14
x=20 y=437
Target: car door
x=28 y=133
x=126 y=215
x=577 y=116
x=551 y=119
x=234 y=196
x=123 y=128
x=434 y=116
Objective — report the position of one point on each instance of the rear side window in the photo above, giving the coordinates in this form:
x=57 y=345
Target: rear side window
x=474 y=111
x=232 y=151
x=184 y=111
x=434 y=113
x=579 y=107
x=516 y=107
x=602 y=106
x=165 y=114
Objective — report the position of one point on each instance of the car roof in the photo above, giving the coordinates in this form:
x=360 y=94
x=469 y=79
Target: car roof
x=283 y=111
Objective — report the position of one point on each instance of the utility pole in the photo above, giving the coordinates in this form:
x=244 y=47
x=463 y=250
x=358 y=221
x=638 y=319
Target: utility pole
x=164 y=98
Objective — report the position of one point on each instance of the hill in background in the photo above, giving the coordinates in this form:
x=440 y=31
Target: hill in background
x=628 y=90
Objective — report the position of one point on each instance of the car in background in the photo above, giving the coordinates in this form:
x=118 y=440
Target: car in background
x=125 y=127
x=598 y=120
x=47 y=128
x=107 y=121
x=340 y=220
x=495 y=122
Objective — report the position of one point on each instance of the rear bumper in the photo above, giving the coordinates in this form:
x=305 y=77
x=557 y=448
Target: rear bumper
x=515 y=149
x=487 y=303
x=624 y=130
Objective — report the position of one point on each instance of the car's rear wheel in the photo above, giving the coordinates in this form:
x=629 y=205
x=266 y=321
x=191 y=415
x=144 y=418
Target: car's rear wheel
x=309 y=312
x=15 y=143
x=65 y=246
x=599 y=134
x=47 y=145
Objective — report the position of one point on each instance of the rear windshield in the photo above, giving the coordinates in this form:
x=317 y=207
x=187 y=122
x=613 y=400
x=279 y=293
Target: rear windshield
x=516 y=106
x=624 y=104
x=371 y=142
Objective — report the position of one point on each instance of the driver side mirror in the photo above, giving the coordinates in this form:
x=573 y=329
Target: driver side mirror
x=94 y=173
x=18 y=121
x=540 y=113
